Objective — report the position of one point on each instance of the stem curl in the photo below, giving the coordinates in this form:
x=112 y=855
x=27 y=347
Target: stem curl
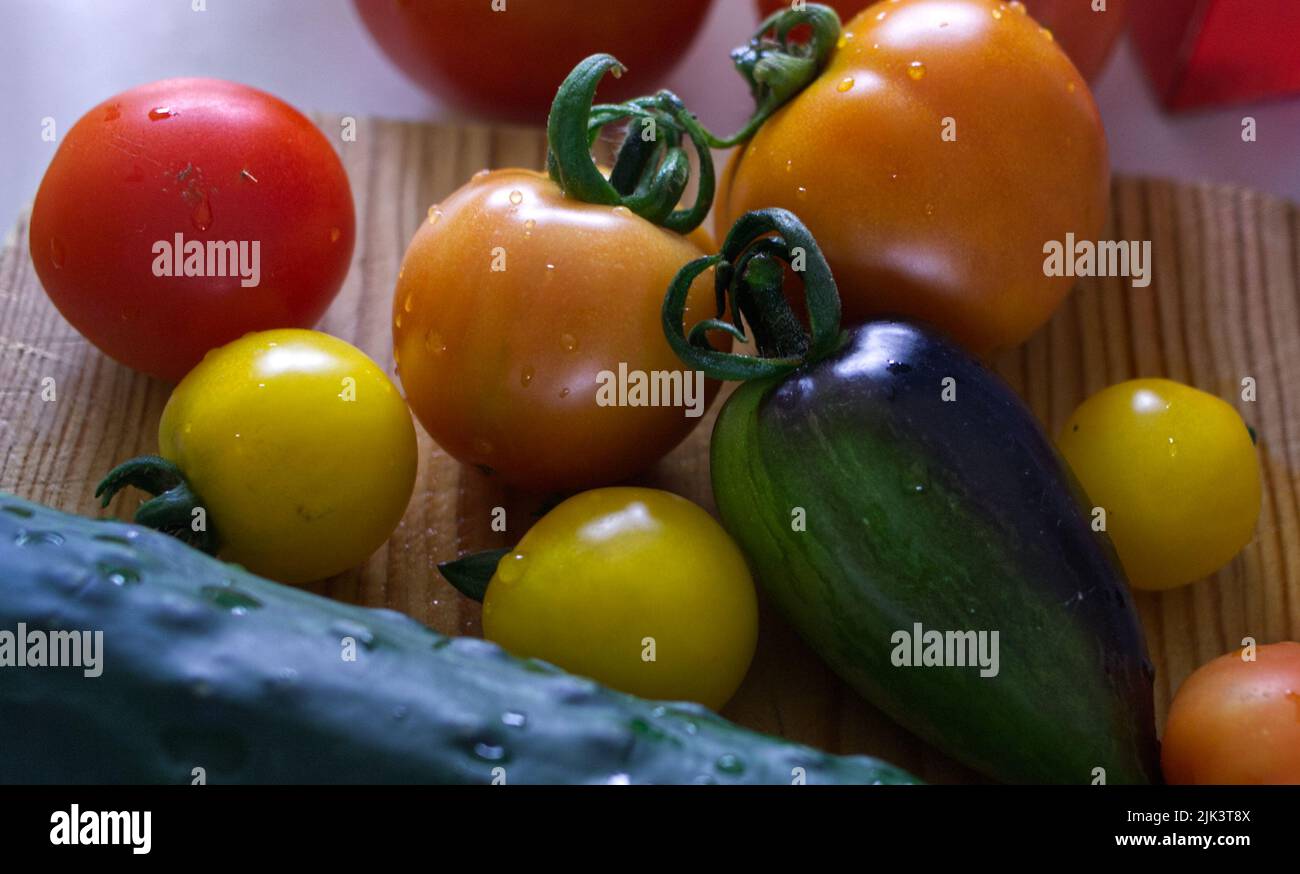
x=652 y=170
x=171 y=509
x=749 y=281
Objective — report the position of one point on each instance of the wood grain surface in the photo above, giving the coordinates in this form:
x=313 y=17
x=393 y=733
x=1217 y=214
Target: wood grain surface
x=1224 y=305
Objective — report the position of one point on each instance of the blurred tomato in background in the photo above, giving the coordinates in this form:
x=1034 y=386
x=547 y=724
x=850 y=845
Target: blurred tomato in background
x=1205 y=52
x=508 y=64
x=1086 y=36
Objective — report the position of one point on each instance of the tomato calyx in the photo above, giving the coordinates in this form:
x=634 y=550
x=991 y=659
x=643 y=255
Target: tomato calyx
x=171 y=509
x=652 y=169
x=749 y=281
x=787 y=52
x=471 y=574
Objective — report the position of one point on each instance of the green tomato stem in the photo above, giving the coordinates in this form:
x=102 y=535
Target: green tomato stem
x=750 y=276
x=471 y=574
x=777 y=69
x=171 y=509
x=652 y=169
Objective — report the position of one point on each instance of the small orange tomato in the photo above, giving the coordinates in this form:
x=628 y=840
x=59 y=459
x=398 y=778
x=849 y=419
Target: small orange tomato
x=1237 y=722
x=1086 y=34
x=947 y=142
x=518 y=311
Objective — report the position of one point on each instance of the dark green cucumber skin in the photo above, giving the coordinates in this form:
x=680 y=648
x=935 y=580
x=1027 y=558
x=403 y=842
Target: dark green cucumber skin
x=957 y=515
x=206 y=666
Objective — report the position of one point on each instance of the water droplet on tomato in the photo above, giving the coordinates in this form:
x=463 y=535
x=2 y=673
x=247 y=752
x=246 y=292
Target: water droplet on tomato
x=526 y=377
x=434 y=214
x=564 y=392
x=568 y=342
x=1047 y=34
x=158 y=113
x=433 y=342
x=801 y=193
x=335 y=233
x=516 y=197
x=201 y=215
x=397 y=322
x=511 y=568
x=916 y=70
x=58 y=254
x=1019 y=7
x=997 y=14
x=247 y=176
x=528 y=227
x=409 y=303
x=846 y=84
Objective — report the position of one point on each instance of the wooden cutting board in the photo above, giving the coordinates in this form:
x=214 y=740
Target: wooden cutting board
x=1224 y=305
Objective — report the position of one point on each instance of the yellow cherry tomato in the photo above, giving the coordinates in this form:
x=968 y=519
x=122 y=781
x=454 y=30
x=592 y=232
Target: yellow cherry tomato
x=300 y=449
x=1177 y=473
x=636 y=588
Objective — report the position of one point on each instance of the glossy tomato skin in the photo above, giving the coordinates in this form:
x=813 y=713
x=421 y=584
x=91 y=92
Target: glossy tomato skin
x=1177 y=473
x=210 y=160
x=1235 y=721
x=300 y=449
x=510 y=304
x=610 y=573
x=1087 y=36
x=947 y=231
x=508 y=64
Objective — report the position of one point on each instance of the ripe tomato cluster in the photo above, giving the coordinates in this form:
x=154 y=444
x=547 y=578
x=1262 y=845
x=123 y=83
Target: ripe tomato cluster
x=896 y=154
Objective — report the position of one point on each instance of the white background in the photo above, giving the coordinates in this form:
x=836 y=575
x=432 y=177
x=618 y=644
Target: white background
x=63 y=56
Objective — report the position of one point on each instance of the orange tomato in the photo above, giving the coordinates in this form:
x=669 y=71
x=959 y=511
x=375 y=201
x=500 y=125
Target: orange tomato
x=939 y=152
x=1087 y=35
x=515 y=306
x=1236 y=721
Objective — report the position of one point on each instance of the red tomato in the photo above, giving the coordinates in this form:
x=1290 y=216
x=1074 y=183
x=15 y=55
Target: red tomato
x=1086 y=36
x=508 y=64
x=211 y=161
x=1237 y=722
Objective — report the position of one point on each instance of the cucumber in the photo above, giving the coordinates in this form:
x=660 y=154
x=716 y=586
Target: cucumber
x=205 y=666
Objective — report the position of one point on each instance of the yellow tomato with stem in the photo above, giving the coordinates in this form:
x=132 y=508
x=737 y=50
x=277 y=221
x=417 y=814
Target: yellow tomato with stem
x=295 y=445
x=637 y=588
x=1175 y=470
